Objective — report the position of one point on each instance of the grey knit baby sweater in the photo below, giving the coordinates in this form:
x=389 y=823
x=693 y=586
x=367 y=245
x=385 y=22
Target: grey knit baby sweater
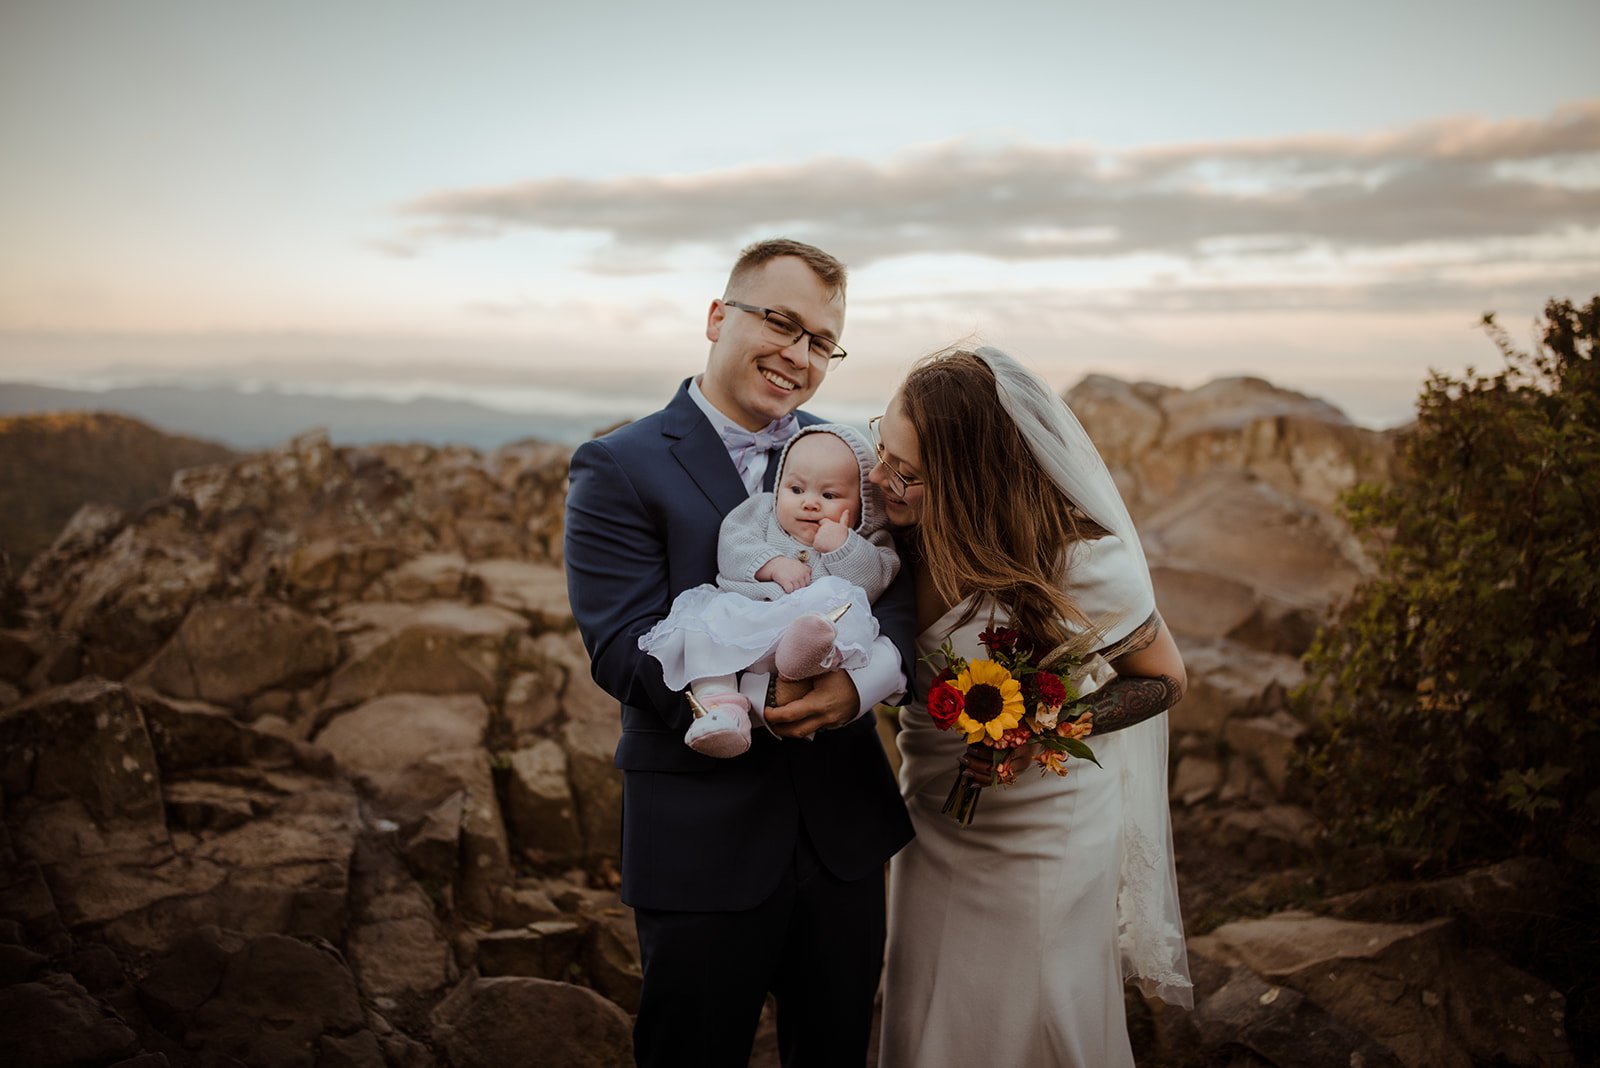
x=751 y=536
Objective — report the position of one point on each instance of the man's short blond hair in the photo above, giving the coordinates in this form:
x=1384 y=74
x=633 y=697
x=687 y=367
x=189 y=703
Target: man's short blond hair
x=828 y=270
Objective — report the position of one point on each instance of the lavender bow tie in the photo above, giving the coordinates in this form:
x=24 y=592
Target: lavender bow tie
x=743 y=444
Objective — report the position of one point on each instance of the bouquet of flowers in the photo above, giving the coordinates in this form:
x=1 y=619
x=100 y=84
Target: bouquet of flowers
x=1009 y=701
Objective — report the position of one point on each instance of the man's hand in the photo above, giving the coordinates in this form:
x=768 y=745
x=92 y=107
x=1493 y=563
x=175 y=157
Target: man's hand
x=831 y=533
x=790 y=574
x=832 y=702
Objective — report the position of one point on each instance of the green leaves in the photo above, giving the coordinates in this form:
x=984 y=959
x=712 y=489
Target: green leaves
x=1079 y=750
x=1456 y=696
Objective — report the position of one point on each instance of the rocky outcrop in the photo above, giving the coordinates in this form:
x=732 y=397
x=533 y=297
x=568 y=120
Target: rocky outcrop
x=1234 y=486
x=227 y=652
x=303 y=763
x=341 y=669
x=1155 y=438
x=308 y=524
x=509 y=1022
x=1413 y=989
x=263 y=999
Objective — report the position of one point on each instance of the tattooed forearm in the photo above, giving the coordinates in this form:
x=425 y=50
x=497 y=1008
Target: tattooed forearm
x=1143 y=636
x=1131 y=699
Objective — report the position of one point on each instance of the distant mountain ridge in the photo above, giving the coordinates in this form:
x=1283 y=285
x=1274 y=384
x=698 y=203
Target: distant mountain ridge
x=261 y=420
x=51 y=464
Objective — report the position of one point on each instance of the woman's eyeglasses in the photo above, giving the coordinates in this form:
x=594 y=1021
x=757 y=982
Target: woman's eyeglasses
x=898 y=482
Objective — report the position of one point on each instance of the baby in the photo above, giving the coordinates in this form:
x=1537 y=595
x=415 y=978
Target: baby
x=798 y=569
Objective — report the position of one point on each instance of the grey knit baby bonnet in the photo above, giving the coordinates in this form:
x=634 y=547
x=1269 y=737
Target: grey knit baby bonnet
x=872 y=513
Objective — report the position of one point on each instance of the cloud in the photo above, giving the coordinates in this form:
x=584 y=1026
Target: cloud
x=1406 y=293
x=1460 y=179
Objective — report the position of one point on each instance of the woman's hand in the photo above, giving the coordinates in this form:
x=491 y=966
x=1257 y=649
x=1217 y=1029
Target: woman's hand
x=978 y=762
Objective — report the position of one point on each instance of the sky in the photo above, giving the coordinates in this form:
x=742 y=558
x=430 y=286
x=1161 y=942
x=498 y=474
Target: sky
x=499 y=200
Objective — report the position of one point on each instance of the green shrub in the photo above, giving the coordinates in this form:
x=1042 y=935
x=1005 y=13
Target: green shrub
x=1456 y=696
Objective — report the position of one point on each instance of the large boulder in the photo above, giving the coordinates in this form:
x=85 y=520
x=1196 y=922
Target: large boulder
x=287 y=870
x=335 y=568
x=552 y=682
x=537 y=591
x=417 y=752
x=262 y=849
x=429 y=577
x=397 y=946
x=191 y=735
x=437 y=647
x=1283 y=1026
x=83 y=745
x=387 y=734
x=55 y=1023
x=83 y=799
x=1161 y=438
x=1267 y=742
x=613 y=962
x=1200 y=604
x=123 y=602
x=540 y=814
x=545 y=949
x=510 y=1022
x=266 y=999
x=1289 y=538
x=1412 y=987
x=485 y=850
x=1234 y=486
x=227 y=651
x=596 y=784
x=86 y=534
x=1228 y=681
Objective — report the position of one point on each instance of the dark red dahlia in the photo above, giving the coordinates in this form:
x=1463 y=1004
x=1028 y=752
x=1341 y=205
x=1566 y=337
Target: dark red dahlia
x=1047 y=689
x=1000 y=640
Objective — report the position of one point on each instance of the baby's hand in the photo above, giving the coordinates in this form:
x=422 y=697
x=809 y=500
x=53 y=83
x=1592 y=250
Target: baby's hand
x=831 y=533
x=790 y=574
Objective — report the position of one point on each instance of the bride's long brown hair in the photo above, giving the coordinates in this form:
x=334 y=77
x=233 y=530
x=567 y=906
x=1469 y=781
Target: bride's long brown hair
x=992 y=521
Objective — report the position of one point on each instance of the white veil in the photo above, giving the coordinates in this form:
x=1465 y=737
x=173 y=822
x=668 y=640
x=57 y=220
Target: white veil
x=1149 y=925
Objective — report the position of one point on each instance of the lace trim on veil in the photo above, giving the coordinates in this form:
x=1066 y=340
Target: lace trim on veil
x=1152 y=946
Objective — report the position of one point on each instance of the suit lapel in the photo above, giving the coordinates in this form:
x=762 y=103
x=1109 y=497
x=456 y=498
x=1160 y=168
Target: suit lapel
x=699 y=450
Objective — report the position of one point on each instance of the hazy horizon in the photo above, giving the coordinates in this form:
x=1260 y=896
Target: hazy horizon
x=296 y=193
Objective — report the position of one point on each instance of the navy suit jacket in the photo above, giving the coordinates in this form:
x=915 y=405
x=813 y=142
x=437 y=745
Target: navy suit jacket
x=644 y=506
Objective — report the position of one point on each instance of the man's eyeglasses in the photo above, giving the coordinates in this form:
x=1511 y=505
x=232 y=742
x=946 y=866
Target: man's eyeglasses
x=782 y=328
x=898 y=482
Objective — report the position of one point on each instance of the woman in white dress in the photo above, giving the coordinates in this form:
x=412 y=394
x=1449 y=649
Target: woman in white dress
x=1010 y=940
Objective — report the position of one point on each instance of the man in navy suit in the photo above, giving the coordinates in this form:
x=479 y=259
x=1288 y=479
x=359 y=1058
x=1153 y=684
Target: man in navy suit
x=763 y=872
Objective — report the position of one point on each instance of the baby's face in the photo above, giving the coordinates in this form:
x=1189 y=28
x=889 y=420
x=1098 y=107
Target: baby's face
x=821 y=480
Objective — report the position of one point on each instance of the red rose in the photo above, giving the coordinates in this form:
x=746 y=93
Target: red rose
x=945 y=704
x=1047 y=687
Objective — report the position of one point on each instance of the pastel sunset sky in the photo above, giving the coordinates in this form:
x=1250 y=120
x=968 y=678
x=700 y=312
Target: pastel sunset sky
x=509 y=198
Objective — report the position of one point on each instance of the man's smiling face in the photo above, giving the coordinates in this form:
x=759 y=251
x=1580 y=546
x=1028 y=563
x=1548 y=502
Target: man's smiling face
x=752 y=377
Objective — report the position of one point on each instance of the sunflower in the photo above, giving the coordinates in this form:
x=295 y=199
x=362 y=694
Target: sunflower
x=992 y=700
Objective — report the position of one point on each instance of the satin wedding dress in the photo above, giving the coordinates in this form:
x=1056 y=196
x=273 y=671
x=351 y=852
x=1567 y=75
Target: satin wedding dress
x=1004 y=935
